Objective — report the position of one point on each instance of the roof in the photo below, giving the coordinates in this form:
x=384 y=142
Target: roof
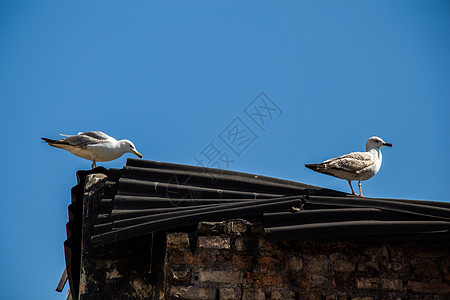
x=153 y=196
x=147 y=196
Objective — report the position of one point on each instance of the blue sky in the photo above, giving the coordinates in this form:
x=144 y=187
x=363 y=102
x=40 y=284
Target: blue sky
x=173 y=75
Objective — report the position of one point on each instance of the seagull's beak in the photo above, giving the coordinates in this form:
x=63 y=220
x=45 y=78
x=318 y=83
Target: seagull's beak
x=136 y=152
x=387 y=144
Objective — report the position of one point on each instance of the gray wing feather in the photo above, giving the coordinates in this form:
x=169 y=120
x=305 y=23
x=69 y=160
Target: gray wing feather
x=84 y=139
x=79 y=140
x=96 y=135
x=353 y=162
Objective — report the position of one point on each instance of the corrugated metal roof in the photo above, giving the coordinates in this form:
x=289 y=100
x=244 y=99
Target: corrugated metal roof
x=152 y=196
x=361 y=219
x=147 y=196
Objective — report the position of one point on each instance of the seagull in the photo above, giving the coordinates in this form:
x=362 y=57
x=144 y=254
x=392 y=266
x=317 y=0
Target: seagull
x=356 y=165
x=94 y=146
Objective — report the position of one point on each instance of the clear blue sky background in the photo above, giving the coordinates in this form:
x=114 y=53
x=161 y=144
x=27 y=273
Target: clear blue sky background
x=172 y=75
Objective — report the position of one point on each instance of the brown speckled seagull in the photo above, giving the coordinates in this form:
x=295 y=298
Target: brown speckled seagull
x=358 y=166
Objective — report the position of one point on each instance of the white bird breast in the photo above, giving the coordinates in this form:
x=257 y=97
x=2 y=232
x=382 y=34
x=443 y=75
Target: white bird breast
x=104 y=152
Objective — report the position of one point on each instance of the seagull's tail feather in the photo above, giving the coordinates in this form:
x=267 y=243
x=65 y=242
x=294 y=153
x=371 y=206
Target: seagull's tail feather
x=49 y=141
x=54 y=143
x=316 y=167
x=321 y=168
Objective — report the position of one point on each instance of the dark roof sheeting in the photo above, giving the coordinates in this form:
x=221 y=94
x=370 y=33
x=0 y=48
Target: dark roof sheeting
x=130 y=226
x=152 y=196
x=147 y=196
x=361 y=219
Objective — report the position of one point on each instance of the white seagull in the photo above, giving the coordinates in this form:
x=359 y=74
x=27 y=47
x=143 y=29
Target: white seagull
x=356 y=165
x=94 y=146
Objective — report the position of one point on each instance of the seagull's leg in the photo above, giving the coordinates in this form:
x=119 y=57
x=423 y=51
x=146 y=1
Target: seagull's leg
x=93 y=164
x=360 y=192
x=350 y=183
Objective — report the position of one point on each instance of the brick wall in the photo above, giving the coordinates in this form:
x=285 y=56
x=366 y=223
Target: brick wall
x=232 y=260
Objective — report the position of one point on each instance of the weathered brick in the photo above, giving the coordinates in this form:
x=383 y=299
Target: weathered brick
x=309 y=296
x=341 y=264
x=268 y=246
x=213 y=242
x=268 y=263
x=267 y=279
x=428 y=288
x=208 y=228
x=389 y=284
x=246 y=244
x=223 y=259
x=426 y=270
x=141 y=290
x=220 y=276
x=235 y=227
x=240 y=245
x=241 y=262
x=398 y=269
x=380 y=283
x=257 y=230
x=368 y=266
x=189 y=258
x=368 y=283
x=228 y=294
x=335 y=297
x=192 y=293
x=446 y=271
x=302 y=279
x=317 y=265
x=423 y=252
x=204 y=259
x=283 y=294
x=113 y=274
x=178 y=240
x=180 y=276
x=376 y=250
x=319 y=281
x=294 y=263
x=182 y=257
x=346 y=266
x=253 y=294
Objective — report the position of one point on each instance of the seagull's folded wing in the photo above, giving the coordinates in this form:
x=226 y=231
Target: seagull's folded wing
x=353 y=162
x=95 y=134
x=81 y=140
